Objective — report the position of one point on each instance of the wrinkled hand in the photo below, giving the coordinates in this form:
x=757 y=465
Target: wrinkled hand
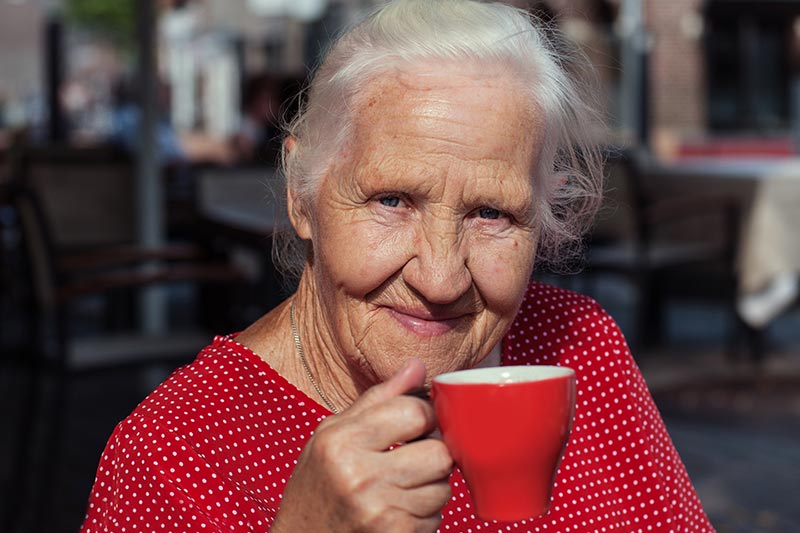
x=346 y=479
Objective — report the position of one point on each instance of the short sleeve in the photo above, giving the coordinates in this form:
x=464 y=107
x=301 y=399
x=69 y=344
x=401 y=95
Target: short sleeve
x=620 y=470
x=620 y=435
x=152 y=480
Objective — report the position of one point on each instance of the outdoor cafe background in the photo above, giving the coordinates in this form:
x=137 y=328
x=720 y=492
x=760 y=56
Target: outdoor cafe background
x=138 y=146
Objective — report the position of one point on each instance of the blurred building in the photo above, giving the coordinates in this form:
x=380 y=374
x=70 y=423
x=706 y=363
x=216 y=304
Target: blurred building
x=669 y=71
x=724 y=68
x=21 y=62
x=710 y=68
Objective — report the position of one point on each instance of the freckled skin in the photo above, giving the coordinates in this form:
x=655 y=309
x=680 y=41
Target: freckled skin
x=437 y=147
x=422 y=242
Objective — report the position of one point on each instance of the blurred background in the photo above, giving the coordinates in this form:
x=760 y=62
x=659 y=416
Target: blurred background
x=138 y=149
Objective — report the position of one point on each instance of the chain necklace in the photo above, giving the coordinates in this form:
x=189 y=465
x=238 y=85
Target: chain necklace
x=299 y=348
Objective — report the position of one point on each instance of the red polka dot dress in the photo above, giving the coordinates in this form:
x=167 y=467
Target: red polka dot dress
x=212 y=448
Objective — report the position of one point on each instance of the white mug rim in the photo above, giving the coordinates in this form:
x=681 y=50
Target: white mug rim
x=504 y=375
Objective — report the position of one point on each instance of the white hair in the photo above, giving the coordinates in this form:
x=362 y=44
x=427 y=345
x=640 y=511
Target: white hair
x=568 y=180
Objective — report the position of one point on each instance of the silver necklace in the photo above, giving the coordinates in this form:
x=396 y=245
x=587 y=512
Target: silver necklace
x=299 y=348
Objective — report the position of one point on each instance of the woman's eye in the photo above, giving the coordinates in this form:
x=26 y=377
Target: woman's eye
x=489 y=213
x=390 y=201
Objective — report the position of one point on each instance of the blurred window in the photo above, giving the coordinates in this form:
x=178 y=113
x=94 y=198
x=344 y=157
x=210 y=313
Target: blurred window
x=749 y=70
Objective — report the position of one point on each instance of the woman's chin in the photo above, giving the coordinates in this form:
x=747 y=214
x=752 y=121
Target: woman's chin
x=443 y=345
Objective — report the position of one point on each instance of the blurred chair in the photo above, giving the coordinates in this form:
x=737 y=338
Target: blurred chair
x=87 y=194
x=76 y=220
x=9 y=292
x=669 y=247
x=241 y=209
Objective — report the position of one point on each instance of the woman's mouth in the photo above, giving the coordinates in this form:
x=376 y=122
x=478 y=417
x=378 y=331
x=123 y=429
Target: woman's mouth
x=423 y=322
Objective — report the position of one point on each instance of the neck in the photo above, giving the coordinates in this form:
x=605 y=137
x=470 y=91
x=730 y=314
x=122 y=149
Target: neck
x=271 y=337
x=326 y=362
x=301 y=354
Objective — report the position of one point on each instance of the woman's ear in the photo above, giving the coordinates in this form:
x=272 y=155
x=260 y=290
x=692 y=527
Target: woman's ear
x=298 y=213
x=289 y=146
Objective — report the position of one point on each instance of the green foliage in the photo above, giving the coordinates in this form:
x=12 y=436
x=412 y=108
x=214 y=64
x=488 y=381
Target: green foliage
x=114 y=19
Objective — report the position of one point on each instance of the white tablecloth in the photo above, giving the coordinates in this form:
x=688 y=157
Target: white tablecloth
x=768 y=191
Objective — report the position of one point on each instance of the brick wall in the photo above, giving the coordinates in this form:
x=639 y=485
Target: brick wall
x=20 y=50
x=677 y=78
x=677 y=106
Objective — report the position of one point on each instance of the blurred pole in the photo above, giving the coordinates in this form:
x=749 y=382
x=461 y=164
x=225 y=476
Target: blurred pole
x=240 y=53
x=795 y=111
x=54 y=75
x=632 y=99
x=178 y=29
x=643 y=124
x=150 y=198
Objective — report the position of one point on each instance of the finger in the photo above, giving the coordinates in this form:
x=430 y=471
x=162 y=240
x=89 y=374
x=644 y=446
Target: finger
x=410 y=377
x=399 y=419
x=427 y=500
x=428 y=524
x=397 y=520
x=420 y=463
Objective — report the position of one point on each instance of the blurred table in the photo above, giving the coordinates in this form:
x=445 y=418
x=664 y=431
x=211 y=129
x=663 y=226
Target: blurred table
x=241 y=209
x=242 y=199
x=768 y=190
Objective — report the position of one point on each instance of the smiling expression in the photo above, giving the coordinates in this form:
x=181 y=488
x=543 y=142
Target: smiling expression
x=423 y=232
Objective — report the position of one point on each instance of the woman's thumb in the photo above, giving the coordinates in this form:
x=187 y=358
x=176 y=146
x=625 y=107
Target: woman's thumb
x=411 y=376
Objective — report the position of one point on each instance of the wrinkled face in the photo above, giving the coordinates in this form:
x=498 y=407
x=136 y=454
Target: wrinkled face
x=423 y=231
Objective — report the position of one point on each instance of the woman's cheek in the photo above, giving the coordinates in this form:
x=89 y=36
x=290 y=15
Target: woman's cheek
x=370 y=254
x=501 y=271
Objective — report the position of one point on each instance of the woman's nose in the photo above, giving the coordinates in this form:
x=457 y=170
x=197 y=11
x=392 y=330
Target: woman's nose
x=438 y=270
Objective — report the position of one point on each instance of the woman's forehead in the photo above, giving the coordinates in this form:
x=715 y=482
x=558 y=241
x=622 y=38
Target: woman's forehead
x=470 y=88
x=429 y=115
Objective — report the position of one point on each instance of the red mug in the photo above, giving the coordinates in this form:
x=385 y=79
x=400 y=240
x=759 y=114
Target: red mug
x=506 y=428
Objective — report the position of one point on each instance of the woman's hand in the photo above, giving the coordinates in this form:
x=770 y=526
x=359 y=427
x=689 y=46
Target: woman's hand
x=347 y=480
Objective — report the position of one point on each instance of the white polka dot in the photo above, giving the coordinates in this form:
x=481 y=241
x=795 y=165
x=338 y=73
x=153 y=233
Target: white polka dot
x=212 y=448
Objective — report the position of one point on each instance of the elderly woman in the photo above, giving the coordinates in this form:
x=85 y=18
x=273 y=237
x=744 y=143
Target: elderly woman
x=443 y=148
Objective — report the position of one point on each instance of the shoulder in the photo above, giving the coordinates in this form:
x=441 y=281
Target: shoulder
x=559 y=327
x=228 y=400
x=559 y=304
x=225 y=378
x=227 y=424
x=216 y=364
x=153 y=476
x=554 y=324
x=617 y=429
